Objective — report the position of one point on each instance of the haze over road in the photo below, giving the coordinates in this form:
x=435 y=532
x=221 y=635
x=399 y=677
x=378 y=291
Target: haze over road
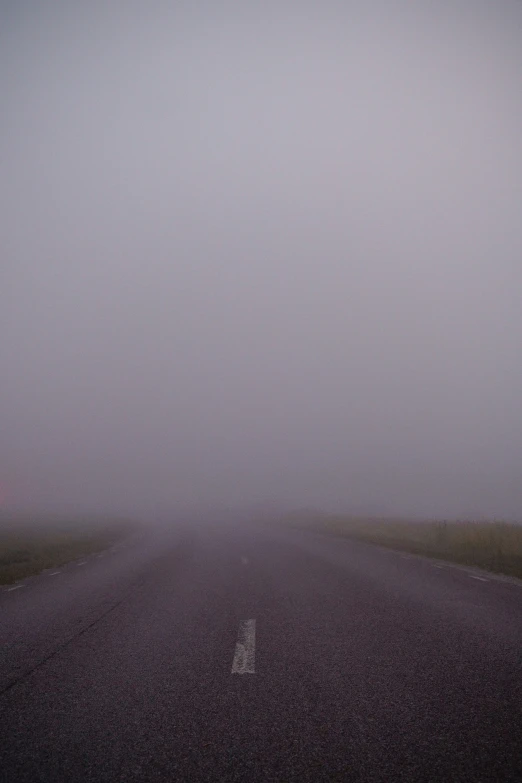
x=261 y=251
x=259 y=255
x=254 y=653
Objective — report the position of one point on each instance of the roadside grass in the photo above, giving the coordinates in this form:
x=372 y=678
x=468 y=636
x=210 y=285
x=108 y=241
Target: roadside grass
x=493 y=546
x=29 y=546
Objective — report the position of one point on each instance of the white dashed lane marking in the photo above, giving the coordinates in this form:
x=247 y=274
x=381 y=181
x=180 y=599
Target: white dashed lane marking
x=478 y=578
x=16 y=587
x=244 y=656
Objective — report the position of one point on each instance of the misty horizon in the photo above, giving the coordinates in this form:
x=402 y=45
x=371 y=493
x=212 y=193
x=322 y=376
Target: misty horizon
x=262 y=257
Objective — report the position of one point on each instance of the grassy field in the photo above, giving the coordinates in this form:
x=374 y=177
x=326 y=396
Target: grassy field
x=494 y=546
x=29 y=546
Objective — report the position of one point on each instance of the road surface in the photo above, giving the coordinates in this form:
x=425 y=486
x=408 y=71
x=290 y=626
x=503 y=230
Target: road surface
x=235 y=653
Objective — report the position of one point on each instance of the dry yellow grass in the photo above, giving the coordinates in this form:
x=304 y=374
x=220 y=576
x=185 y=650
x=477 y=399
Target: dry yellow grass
x=27 y=547
x=494 y=546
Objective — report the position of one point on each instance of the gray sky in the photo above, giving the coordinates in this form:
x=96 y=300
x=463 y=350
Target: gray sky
x=262 y=251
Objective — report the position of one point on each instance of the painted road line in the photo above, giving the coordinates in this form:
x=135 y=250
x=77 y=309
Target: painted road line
x=438 y=566
x=244 y=656
x=479 y=578
x=16 y=587
x=79 y=564
x=54 y=573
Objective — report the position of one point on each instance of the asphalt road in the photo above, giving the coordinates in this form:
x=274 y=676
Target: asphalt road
x=230 y=653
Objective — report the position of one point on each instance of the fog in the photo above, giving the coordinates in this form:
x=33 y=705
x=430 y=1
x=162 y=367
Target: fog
x=261 y=253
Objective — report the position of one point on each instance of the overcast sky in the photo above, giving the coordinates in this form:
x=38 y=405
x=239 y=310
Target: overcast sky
x=262 y=252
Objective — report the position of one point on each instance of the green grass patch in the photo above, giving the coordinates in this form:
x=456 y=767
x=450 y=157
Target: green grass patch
x=30 y=546
x=493 y=546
